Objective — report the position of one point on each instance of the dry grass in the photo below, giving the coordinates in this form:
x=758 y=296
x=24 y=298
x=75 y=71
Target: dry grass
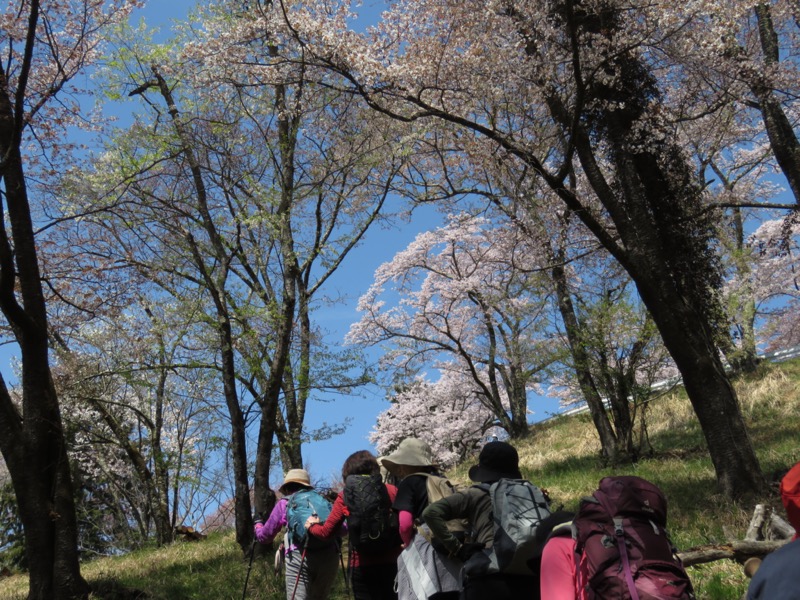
x=212 y=569
x=562 y=455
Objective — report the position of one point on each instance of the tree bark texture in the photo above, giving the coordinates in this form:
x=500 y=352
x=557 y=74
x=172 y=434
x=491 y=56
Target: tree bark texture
x=739 y=551
x=32 y=440
x=663 y=238
x=215 y=278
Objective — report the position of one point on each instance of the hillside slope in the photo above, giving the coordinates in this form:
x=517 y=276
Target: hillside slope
x=561 y=456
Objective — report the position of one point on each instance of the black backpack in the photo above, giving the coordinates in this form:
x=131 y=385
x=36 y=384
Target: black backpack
x=372 y=524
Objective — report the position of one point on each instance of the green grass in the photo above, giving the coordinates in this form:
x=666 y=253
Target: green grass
x=211 y=569
x=561 y=455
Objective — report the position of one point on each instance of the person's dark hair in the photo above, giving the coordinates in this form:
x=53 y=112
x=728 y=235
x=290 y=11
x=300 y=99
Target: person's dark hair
x=292 y=487
x=362 y=462
x=423 y=469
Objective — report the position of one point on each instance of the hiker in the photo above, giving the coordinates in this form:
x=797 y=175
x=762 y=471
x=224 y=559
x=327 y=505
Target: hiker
x=778 y=576
x=581 y=557
x=423 y=573
x=483 y=577
x=367 y=514
x=558 y=577
x=310 y=567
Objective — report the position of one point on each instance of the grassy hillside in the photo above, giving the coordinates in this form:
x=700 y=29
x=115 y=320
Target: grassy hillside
x=561 y=456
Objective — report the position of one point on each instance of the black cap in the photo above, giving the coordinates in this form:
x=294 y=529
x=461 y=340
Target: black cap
x=497 y=460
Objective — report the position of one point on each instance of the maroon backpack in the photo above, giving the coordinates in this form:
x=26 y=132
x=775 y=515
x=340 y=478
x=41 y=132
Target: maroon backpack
x=622 y=547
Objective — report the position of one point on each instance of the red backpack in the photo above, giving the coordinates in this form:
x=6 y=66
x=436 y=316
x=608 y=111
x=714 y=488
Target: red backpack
x=622 y=547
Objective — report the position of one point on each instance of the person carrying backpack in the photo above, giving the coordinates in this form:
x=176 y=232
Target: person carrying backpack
x=311 y=564
x=423 y=572
x=503 y=511
x=616 y=546
x=778 y=576
x=364 y=508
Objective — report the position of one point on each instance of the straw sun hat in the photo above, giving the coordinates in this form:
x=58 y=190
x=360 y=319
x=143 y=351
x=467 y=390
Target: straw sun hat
x=295 y=476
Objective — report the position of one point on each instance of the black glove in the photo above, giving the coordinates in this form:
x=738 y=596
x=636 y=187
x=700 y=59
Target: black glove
x=467 y=550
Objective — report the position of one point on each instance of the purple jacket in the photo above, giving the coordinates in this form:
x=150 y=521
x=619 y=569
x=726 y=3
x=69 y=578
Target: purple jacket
x=266 y=533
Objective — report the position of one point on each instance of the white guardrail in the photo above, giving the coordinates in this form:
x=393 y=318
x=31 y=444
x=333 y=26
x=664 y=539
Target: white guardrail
x=775 y=357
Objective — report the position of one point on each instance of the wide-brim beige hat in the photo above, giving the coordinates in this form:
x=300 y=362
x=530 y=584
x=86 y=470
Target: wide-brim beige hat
x=295 y=476
x=411 y=452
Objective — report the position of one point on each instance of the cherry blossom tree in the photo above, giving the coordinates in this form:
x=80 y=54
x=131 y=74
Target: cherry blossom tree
x=245 y=200
x=135 y=384
x=733 y=100
x=775 y=281
x=622 y=357
x=740 y=61
x=468 y=293
x=45 y=46
x=447 y=414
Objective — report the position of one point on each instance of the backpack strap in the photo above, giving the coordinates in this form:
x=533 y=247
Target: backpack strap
x=619 y=533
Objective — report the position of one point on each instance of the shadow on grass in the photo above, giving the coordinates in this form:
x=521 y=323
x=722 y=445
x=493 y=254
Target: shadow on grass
x=219 y=576
x=110 y=589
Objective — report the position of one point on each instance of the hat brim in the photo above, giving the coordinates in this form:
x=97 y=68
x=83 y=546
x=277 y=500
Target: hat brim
x=392 y=466
x=305 y=484
x=481 y=474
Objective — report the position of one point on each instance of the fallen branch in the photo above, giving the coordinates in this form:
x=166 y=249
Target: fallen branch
x=189 y=534
x=766 y=525
x=739 y=551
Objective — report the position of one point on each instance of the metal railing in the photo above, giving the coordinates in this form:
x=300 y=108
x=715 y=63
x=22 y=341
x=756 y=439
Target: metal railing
x=774 y=357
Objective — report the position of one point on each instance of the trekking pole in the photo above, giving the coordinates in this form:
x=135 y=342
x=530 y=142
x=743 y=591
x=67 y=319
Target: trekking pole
x=299 y=572
x=249 y=567
x=303 y=556
x=341 y=561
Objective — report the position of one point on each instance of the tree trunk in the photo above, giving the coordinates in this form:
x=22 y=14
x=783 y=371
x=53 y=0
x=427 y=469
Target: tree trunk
x=714 y=401
x=215 y=279
x=580 y=360
x=289 y=436
x=32 y=441
x=744 y=359
x=688 y=335
x=664 y=242
x=783 y=141
x=263 y=496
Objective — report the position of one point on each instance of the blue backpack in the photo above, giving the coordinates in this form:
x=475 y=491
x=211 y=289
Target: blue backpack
x=302 y=504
